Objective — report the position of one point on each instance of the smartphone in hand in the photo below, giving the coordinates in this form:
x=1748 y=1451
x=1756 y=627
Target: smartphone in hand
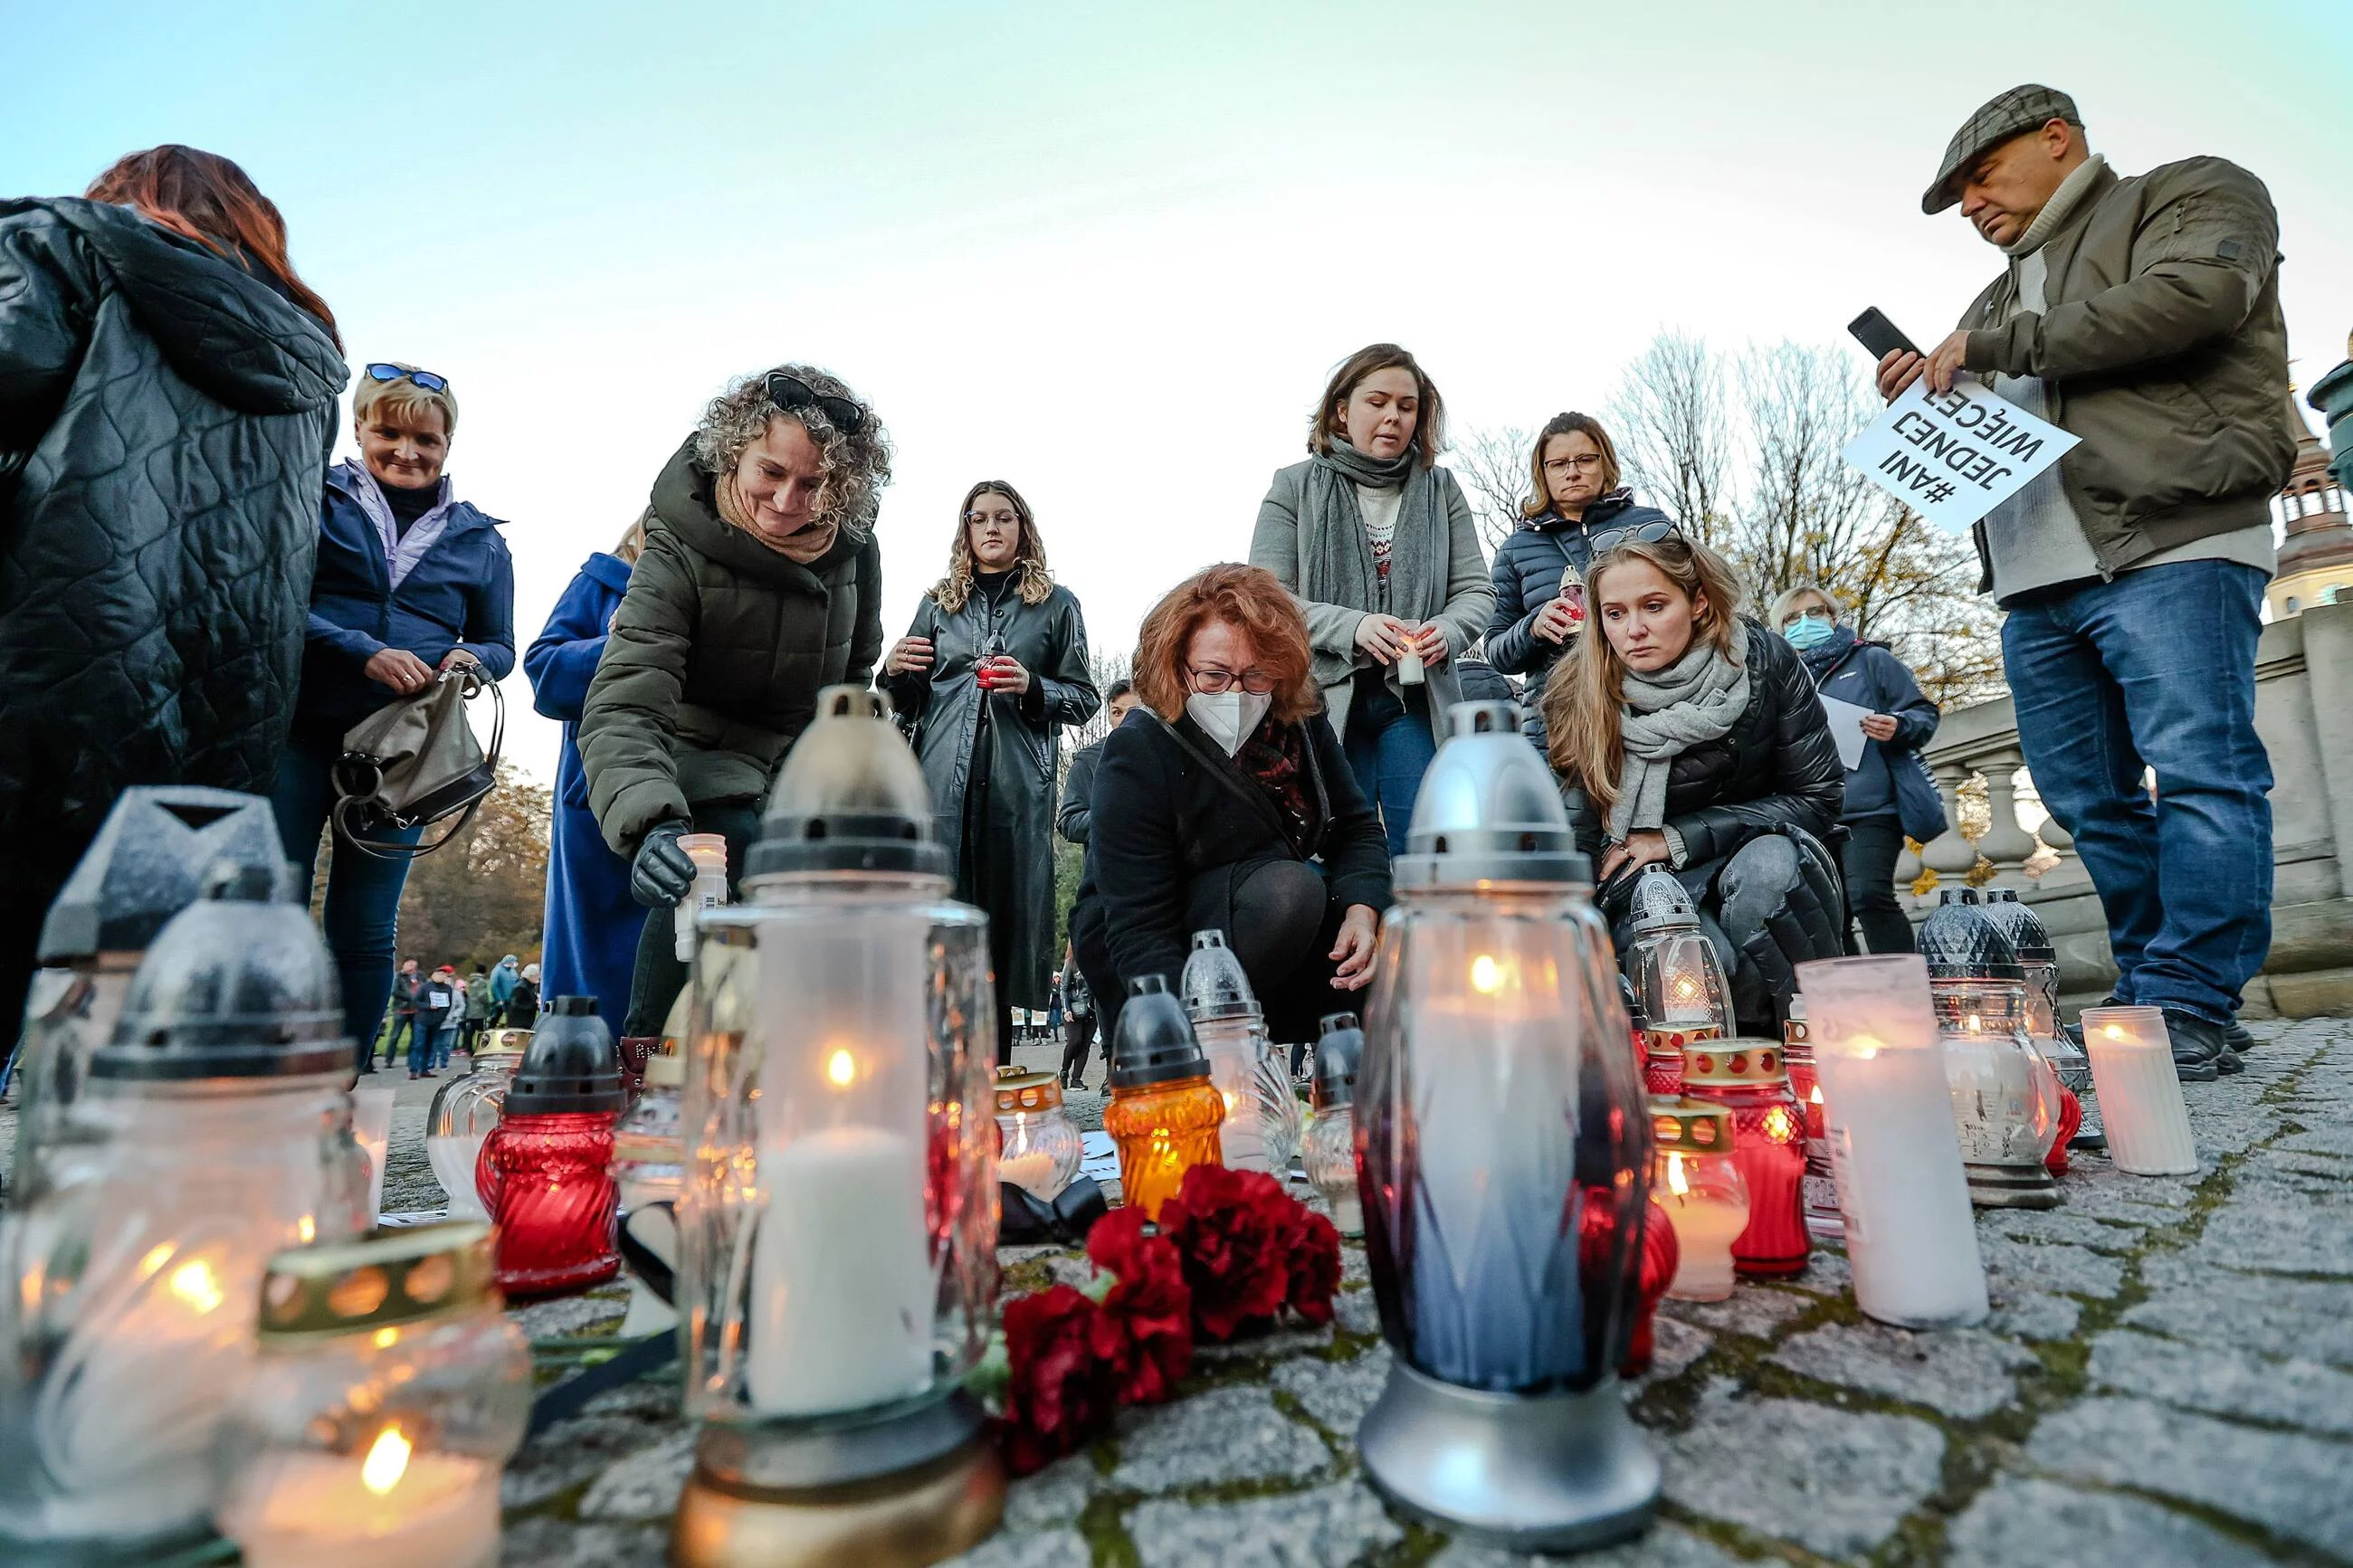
x=1880 y=336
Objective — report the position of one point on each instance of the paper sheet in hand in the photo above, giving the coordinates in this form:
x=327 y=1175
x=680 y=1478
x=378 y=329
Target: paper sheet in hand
x=1954 y=456
x=1846 y=728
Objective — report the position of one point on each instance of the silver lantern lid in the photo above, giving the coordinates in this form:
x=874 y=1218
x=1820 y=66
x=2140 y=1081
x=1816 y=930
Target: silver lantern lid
x=1662 y=903
x=850 y=797
x=237 y=985
x=1489 y=811
x=2024 y=928
x=1214 y=983
x=1959 y=941
x=147 y=863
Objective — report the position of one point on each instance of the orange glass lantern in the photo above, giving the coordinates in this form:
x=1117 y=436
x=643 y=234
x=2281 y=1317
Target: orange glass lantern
x=1163 y=1113
x=1747 y=1078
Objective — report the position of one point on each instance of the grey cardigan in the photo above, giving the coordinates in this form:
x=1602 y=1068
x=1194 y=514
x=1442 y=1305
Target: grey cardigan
x=1470 y=594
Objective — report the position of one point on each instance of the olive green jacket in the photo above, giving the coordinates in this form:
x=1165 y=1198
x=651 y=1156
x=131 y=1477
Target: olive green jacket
x=2163 y=347
x=715 y=659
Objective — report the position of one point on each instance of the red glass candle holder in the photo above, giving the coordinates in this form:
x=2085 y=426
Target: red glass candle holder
x=2071 y=1122
x=1663 y=1056
x=1597 y=1238
x=1748 y=1079
x=548 y=1183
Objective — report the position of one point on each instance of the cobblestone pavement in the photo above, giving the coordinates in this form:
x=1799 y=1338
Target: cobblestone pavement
x=2168 y=1380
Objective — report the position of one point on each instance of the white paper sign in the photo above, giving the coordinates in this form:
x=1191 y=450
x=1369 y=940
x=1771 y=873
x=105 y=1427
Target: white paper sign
x=1954 y=456
x=1846 y=728
x=1098 y=1156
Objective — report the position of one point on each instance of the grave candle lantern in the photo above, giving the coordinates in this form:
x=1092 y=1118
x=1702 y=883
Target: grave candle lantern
x=2079 y=1116
x=2006 y=1104
x=1494 y=1096
x=1260 y=1130
x=837 y=1219
x=2149 y=1123
x=1330 y=1156
x=1041 y=1147
x=545 y=1171
x=1698 y=1185
x=1678 y=985
x=1166 y=1115
x=464 y=1112
x=1747 y=1079
x=1823 y=1218
x=214 y=1131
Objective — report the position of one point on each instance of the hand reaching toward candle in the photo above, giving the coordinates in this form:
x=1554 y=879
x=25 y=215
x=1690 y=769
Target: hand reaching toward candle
x=1429 y=641
x=1643 y=846
x=1359 y=943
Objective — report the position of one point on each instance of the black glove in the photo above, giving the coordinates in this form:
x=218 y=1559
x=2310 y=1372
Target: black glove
x=663 y=871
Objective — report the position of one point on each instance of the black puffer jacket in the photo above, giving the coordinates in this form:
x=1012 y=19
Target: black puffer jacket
x=1777 y=767
x=165 y=421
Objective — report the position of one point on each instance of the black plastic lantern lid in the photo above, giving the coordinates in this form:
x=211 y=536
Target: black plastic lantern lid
x=2024 y=928
x=237 y=985
x=1339 y=1048
x=1154 y=1041
x=571 y=1064
x=850 y=798
x=149 y=862
x=1960 y=942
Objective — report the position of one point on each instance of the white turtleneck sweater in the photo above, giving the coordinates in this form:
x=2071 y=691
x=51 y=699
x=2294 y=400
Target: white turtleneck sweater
x=2035 y=538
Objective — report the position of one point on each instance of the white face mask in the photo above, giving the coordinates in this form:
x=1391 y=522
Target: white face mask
x=1228 y=717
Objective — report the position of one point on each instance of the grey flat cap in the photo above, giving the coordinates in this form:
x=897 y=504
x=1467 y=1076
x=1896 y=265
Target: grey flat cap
x=2013 y=114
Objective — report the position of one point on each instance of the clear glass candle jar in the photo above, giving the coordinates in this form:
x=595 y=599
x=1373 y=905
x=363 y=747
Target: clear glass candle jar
x=388 y=1392
x=464 y=1112
x=1698 y=1185
x=1746 y=1080
x=214 y=1131
x=1329 y=1154
x=1680 y=990
x=2006 y=1104
x=1040 y=1146
x=1262 y=1127
x=1166 y=1115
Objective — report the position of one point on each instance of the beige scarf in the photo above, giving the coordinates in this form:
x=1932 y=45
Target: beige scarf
x=805 y=547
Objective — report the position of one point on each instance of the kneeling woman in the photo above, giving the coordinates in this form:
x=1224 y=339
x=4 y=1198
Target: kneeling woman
x=1229 y=803
x=760 y=584
x=1688 y=736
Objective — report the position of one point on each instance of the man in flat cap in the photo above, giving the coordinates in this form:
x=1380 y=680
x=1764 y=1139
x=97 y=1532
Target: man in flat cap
x=2140 y=313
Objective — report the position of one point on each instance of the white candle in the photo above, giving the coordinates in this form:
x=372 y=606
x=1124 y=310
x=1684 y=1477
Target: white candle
x=371 y=1129
x=840 y=1315
x=708 y=853
x=1894 y=1154
x=1033 y=1171
x=1706 y=1224
x=453 y=1160
x=1232 y=1048
x=350 y=1510
x=2140 y=1093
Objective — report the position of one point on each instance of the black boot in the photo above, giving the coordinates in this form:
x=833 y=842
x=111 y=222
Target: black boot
x=2199 y=1055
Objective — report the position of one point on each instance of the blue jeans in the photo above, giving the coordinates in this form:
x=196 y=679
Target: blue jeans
x=445 y=1040
x=2157 y=668
x=1388 y=746
x=362 y=918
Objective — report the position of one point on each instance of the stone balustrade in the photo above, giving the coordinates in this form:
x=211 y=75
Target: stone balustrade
x=2304 y=714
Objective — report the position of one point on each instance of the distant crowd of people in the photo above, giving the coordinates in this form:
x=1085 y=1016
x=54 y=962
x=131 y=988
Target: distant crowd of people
x=191 y=594
x=437 y=1014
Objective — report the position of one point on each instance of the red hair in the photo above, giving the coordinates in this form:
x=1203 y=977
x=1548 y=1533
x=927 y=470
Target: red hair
x=212 y=202
x=1248 y=598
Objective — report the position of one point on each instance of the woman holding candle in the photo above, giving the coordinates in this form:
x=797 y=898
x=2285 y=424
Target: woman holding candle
x=1229 y=806
x=760 y=583
x=995 y=662
x=1379 y=547
x=1688 y=736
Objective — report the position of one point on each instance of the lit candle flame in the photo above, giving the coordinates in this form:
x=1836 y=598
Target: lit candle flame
x=386 y=1462
x=1675 y=1181
x=1486 y=975
x=1816 y=1096
x=1685 y=988
x=1974 y=1026
x=306 y=1230
x=2113 y=1031
x=193 y=1283
x=841 y=1068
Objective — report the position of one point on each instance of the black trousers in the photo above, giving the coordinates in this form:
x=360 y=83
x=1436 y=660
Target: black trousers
x=1077 y=1033
x=1279 y=918
x=1868 y=861
x=660 y=976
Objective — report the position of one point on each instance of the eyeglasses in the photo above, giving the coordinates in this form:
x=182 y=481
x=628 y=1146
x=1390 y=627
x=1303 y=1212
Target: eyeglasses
x=791 y=393
x=1580 y=461
x=1002 y=519
x=1215 y=682
x=424 y=378
x=1609 y=539
x=1816 y=614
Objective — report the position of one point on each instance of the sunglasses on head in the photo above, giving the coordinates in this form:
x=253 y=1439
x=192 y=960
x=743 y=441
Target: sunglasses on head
x=791 y=393
x=1609 y=539
x=424 y=378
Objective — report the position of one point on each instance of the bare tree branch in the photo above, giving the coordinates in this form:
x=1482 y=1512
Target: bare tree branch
x=1494 y=467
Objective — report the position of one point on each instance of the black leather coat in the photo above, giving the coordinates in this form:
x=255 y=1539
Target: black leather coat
x=165 y=421
x=1777 y=767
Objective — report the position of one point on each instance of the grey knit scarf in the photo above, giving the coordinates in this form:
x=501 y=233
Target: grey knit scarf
x=1335 y=558
x=1692 y=701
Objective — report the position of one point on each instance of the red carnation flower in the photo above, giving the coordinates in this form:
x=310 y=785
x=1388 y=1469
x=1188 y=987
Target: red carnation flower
x=1235 y=1231
x=1145 y=1328
x=1060 y=1394
x=1313 y=1268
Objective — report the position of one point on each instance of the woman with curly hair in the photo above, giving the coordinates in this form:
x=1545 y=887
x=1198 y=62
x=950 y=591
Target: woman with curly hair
x=1230 y=805
x=760 y=583
x=995 y=660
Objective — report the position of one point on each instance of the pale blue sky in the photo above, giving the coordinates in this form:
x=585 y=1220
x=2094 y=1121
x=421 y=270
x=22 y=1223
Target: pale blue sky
x=1110 y=251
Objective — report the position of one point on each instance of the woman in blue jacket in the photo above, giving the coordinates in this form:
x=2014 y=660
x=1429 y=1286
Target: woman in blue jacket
x=590 y=944
x=410 y=582
x=1901 y=720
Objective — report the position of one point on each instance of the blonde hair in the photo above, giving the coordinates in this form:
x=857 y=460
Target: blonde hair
x=633 y=543
x=403 y=400
x=1787 y=601
x=951 y=592
x=1585 y=698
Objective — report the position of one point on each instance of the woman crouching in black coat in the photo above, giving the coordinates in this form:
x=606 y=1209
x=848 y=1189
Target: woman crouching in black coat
x=1690 y=737
x=1225 y=802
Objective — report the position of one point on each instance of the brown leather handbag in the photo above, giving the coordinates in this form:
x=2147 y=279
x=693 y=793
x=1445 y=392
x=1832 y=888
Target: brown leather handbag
x=415 y=763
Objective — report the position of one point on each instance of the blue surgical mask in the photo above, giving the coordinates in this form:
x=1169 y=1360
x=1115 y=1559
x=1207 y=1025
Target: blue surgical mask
x=1809 y=631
